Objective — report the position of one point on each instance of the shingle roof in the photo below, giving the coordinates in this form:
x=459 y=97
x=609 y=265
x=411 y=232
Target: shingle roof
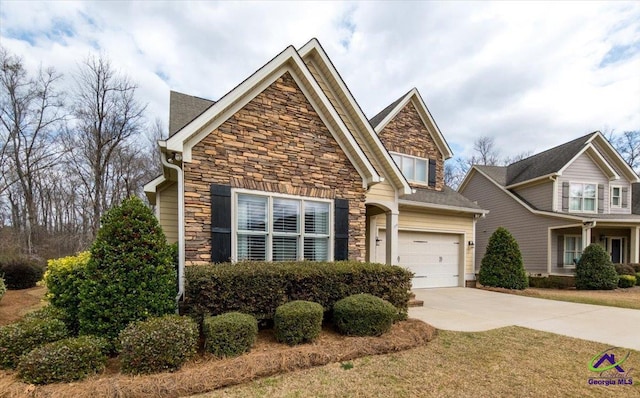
x=446 y=197
x=383 y=113
x=184 y=108
x=547 y=162
x=497 y=173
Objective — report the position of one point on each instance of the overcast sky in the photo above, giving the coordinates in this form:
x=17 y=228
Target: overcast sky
x=531 y=75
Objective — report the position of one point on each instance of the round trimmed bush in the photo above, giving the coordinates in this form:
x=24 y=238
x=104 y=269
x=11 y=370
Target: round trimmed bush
x=298 y=322
x=363 y=315
x=21 y=337
x=3 y=288
x=595 y=271
x=21 y=272
x=624 y=269
x=626 y=281
x=158 y=344
x=65 y=360
x=230 y=334
x=502 y=264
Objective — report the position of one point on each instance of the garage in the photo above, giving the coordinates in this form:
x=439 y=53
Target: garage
x=433 y=257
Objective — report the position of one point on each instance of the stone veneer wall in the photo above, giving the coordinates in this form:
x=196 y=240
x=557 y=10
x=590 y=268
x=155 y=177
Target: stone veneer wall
x=276 y=143
x=406 y=133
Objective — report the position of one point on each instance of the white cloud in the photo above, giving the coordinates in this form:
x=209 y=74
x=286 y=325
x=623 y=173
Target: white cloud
x=546 y=72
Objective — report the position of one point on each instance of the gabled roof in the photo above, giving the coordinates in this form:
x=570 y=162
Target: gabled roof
x=445 y=199
x=555 y=160
x=183 y=108
x=387 y=114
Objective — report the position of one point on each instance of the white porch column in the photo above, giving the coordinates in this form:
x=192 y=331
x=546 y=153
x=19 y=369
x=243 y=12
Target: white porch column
x=634 y=249
x=586 y=236
x=392 y=238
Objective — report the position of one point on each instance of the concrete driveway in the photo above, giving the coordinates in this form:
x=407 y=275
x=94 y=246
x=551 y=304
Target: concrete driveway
x=472 y=310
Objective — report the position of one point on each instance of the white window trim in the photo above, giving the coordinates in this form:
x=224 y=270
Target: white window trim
x=595 y=207
x=270 y=196
x=619 y=205
x=564 y=251
x=402 y=157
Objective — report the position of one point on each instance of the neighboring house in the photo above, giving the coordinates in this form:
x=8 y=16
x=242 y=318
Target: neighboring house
x=287 y=167
x=558 y=202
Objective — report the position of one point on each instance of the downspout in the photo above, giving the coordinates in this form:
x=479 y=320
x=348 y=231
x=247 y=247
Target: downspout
x=181 y=255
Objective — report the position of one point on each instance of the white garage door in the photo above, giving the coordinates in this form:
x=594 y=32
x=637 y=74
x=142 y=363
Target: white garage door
x=434 y=258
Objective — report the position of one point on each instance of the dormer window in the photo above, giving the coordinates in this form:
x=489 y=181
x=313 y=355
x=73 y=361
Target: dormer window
x=616 y=197
x=413 y=168
x=582 y=197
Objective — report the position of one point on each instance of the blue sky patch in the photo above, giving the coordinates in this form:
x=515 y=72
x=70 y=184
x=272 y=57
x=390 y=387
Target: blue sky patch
x=619 y=53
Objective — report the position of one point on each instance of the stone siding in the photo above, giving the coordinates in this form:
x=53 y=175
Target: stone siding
x=276 y=143
x=407 y=134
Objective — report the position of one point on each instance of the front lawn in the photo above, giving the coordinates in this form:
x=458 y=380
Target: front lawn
x=622 y=298
x=506 y=362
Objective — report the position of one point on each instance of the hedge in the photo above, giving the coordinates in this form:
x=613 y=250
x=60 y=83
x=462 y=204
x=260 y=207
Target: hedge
x=258 y=288
x=626 y=281
x=363 y=315
x=552 y=282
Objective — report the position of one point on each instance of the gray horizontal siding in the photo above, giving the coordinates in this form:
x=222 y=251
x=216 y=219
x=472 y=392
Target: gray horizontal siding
x=540 y=195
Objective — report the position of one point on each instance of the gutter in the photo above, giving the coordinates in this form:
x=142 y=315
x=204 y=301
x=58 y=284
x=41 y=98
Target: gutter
x=181 y=254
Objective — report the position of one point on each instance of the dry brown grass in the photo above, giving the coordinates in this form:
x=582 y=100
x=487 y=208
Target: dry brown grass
x=622 y=298
x=205 y=374
x=16 y=303
x=506 y=362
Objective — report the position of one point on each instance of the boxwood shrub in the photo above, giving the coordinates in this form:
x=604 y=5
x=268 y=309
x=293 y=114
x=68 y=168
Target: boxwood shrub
x=20 y=272
x=258 y=288
x=363 y=315
x=626 y=281
x=64 y=360
x=21 y=337
x=298 y=322
x=552 y=282
x=158 y=344
x=230 y=334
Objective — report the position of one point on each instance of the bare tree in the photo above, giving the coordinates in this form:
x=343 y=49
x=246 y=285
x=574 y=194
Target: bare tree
x=30 y=116
x=628 y=145
x=486 y=153
x=107 y=116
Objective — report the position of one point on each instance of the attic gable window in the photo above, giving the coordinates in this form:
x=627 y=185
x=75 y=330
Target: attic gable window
x=582 y=197
x=413 y=168
x=616 y=196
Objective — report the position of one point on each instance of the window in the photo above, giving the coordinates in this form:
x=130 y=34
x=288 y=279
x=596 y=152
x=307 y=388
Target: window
x=616 y=197
x=572 y=249
x=414 y=169
x=275 y=228
x=582 y=197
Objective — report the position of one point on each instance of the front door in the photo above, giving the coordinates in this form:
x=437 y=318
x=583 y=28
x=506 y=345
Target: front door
x=616 y=247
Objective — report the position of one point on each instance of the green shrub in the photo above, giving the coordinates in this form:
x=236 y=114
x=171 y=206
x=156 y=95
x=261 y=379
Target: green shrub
x=635 y=266
x=65 y=360
x=626 y=281
x=21 y=337
x=63 y=279
x=298 y=322
x=502 y=265
x=363 y=315
x=158 y=344
x=20 y=272
x=595 y=271
x=46 y=312
x=129 y=276
x=624 y=269
x=3 y=288
x=552 y=282
x=258 y=288
x=638 y=278
x=230 y=334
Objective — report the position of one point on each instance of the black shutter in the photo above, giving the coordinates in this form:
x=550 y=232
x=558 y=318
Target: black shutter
x=600 y=198
x=220 y=223
x=625 y=197
x=560 y=251
x=432 y=172
x=565 y=196
x=341 y=230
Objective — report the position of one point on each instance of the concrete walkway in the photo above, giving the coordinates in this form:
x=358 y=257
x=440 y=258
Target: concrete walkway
x=472 y=310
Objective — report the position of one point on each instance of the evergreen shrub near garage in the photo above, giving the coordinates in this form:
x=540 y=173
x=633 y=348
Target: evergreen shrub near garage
x=21 y=337
x=65 y=360
x=363 y=315
x=502 y=264
x=230 y=334
x=258 y=288
x=299 y=322
x=626 y=281
x=595 y=271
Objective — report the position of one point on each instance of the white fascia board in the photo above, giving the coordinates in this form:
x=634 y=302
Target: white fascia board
x=630 y=173
x=526 y=206
x=411 y=203
x=592 y=151
x=151 y=188
x=313 y=47
x=549 y=176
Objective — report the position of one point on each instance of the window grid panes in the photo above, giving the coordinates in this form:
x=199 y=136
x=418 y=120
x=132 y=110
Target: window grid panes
x=282 y=229
x=572 y=249
x=413 y=168
x=616 y=194
x=582 y=197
